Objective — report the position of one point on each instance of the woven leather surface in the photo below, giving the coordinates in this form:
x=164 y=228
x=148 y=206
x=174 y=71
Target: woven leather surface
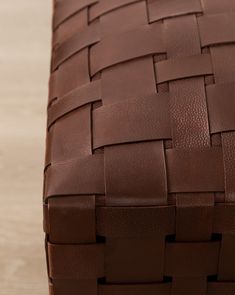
x=139 y=194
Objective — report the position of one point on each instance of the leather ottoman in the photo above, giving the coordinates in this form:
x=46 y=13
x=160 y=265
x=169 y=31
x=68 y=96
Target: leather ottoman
x=139 y=191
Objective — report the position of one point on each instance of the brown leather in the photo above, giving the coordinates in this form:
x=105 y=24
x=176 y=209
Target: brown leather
x=139 y=194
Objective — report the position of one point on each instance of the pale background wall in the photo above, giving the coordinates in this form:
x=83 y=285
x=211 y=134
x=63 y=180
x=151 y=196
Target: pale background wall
x=24 y=63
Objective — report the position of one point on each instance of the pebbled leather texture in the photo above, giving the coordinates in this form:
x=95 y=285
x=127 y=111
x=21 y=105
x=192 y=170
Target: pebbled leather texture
x=139 y=190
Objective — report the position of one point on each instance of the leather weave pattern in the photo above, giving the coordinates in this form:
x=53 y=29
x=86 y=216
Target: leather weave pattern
x=139 y=190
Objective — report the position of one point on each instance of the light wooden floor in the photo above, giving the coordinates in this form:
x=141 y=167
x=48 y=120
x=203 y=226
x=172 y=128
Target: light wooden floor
x=24 y=64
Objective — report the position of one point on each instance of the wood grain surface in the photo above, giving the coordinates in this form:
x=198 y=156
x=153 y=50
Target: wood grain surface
x=24 y=63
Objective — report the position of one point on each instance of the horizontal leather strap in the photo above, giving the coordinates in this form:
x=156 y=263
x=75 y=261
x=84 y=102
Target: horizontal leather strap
x=132 y=120
x=163 y=9
x=183 y=67
x=217 y=28
x=149 y=221
x=76 y=261
x=191 y=259
x=143 y=41
x=75 y=211
x=65 y=9
x=221 y=106
x=87 y=37
x=76 y=98
x=188 y=171
x=77 y=176
x=195 y=170
x=135 y=289
x=135 y=221
x=106 y=6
